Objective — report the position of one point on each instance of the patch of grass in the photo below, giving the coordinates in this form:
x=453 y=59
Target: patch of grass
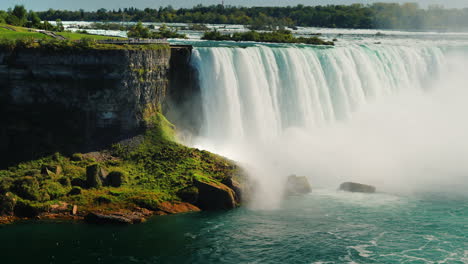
x=78 y=36
x=15 y=35
x=156 y=169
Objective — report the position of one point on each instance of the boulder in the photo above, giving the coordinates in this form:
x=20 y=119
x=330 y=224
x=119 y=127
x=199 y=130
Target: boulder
x=238 y=189
x=78 y=182
x=115 y=179
x=74 y=209
x=96 y=218
x=177 y=207
x=297 y=185
x=214 y=196
x=75 y=191
x=94 y=176
x=54 y=170
x=357 y=187
x=7 y=204
x=189 y=194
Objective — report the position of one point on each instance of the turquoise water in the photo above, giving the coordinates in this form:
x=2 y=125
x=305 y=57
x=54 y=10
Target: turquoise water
x=324 y=227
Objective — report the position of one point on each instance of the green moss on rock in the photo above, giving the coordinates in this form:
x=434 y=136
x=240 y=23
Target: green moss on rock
x=145 y=172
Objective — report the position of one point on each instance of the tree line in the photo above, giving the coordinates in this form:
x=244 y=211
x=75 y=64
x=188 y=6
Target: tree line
x=19 y=16
x=378 y=15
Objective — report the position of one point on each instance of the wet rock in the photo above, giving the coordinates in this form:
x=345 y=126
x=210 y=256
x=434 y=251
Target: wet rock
x=357 y=187
x=214 y=196
x=189 y=194
x=96 y=218
x=238 y=188
x=297 y=185
x=177 y=207
x=7 y=204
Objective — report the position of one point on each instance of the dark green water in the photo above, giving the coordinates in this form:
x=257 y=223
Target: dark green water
x=324 y=227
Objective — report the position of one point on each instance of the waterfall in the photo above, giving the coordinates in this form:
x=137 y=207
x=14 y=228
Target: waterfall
x=260 y=91
x=381 y=114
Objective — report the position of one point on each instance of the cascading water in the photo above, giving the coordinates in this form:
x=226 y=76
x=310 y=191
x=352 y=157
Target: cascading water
x=305 y=110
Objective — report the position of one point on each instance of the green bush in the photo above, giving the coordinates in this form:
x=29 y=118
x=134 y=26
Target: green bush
x=5 y=184
x=277 y=36
x=54 y=189
x=28 y=188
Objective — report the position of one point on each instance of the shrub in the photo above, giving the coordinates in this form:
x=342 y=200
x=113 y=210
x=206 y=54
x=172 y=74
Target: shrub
x=27 y=187
x=54 y=189
x=5 y=184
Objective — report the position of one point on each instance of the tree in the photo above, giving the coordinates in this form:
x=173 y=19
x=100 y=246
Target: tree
x=59 y=25
x=3 y=16
x=139 y=31
x=18 y=17
x=34 y=19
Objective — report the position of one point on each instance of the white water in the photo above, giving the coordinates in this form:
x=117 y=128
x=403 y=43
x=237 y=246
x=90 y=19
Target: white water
x=387 y=115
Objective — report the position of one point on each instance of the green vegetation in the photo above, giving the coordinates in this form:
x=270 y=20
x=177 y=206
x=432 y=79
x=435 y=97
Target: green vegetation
x=18 y=16
x=133 y=175
x=15 y=35
x=140 y=31
x=378 y=15
x=106 y=26
x=277 y=36
x=197 y=27
x=78 y=36
x=67 y=45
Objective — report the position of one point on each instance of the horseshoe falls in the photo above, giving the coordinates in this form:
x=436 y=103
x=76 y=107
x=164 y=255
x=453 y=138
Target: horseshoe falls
x=386 y=115
x=258 y=92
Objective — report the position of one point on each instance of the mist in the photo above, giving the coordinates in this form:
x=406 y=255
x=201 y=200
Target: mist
x=410 y=141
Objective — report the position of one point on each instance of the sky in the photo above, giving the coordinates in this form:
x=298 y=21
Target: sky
x=113 y=4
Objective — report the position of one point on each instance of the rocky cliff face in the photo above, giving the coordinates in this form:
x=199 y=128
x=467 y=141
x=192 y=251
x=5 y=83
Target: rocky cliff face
x=76 y=101
x=183 y=102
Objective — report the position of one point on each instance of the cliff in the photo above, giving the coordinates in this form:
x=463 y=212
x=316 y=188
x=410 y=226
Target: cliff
x=83 y=136
x=76 y=101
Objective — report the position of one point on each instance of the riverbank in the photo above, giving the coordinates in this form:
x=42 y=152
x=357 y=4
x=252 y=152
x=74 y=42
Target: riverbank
x=147 y=175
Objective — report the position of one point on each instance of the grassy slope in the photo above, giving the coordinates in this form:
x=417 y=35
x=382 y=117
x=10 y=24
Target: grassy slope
x=78 y=36
x=26 y=33
x=13 y=35
x=155 y=170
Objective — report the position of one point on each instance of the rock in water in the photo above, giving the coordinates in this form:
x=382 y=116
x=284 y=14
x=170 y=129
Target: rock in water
x=297 y=185
x=214 y=196
x=357 y=187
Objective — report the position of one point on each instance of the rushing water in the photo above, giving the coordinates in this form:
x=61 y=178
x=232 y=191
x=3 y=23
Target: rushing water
x=323 y=227
x=384 y=114
x=390 y=114
x=261 y=91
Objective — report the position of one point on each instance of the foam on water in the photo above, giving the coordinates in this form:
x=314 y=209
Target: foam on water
x=387 y=115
